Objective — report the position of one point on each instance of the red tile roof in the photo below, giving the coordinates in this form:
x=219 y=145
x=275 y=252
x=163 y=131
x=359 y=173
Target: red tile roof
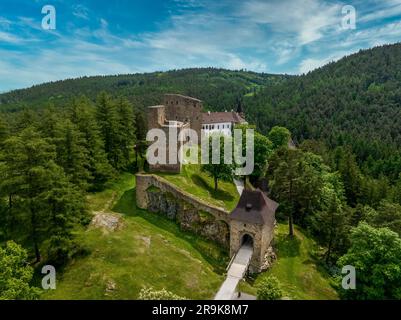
x=221 y=117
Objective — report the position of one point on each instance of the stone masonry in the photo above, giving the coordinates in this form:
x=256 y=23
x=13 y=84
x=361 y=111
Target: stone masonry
x=217 y=224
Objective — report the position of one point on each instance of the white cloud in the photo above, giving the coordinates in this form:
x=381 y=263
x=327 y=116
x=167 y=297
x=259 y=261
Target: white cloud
x=9 y=38
x=4 y=23
x=310 y=64
x=80 y=11
x=256 y=35
x=307 y=19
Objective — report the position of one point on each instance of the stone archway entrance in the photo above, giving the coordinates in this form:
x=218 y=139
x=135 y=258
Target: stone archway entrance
x=247 y=240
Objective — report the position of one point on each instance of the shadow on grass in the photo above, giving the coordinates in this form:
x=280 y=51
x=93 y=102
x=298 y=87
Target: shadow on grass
x=219 y=194
x=288 y=246
x=211 y=252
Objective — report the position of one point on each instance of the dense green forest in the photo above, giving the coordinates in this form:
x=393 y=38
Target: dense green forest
x=354 y=102
x=218 y=88
x=342 y=184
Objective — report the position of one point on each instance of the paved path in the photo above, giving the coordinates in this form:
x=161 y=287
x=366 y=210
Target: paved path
x=240 y=185
x=243 y=296
x=235 y=273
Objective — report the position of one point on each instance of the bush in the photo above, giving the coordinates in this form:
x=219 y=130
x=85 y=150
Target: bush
x=150 y=294
x=269 y=289
x=15 y=274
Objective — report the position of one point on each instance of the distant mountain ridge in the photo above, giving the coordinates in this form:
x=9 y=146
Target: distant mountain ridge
x=219 y=88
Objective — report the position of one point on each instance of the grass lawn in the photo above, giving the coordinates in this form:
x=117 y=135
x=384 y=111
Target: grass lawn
x=192 y=180
x=296 y=268
x=149 y=250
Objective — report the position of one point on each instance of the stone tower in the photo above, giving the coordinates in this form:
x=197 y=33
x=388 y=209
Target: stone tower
x=184 y=109
x=252 y=221
x=172 y=130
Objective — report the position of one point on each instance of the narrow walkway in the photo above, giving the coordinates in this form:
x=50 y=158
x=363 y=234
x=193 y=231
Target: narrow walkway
x=235 y=273
x=240 y=185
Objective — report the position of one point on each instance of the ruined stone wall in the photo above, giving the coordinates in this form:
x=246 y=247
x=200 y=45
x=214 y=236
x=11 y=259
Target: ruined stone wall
x=160 y=196
x=156 y=116
x=182 y=108
x=157 y=120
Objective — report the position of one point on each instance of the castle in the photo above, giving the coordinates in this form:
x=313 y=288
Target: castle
x=180 y=112
x=250 y=224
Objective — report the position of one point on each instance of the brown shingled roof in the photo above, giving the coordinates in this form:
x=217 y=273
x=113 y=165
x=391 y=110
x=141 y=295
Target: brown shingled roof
x=219 y=117
x=255 y=207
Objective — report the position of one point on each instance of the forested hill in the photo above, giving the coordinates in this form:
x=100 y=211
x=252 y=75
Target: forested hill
x=218 y=88
x=355 y=101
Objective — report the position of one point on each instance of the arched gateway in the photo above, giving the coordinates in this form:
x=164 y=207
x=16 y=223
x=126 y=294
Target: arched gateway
x=252 y=224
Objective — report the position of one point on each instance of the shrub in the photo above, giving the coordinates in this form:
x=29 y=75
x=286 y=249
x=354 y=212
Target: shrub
x=269 y=289
x=151 y=294
x=15 y=274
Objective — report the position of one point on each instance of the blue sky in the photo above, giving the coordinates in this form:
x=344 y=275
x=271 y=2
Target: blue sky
x=122 y=36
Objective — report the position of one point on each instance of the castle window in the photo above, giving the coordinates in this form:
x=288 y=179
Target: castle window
x=176 y=102
x=218 y=127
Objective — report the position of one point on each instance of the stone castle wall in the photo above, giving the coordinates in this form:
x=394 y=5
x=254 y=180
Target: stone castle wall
x=262 y=237
x=184 y=109
x=160 y=196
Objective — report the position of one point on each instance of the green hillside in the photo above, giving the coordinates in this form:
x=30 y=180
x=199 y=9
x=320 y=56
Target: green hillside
x=218 y=88
x=147 y=251
x=194 y=181
x=297 y=268
x=355 y=101
x=150 y=251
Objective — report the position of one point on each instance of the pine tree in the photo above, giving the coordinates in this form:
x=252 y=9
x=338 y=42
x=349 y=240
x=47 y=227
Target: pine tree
x=82 y=114
x=107 y=118
x=66 y=208
x=72 y=154
x=297 y=183
x=125 y=131
x=32 y=172
x=141 y=144
x=332 y=227
x=49 y=120
x=350 y=173
x=29 y=161
x=3 y=130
